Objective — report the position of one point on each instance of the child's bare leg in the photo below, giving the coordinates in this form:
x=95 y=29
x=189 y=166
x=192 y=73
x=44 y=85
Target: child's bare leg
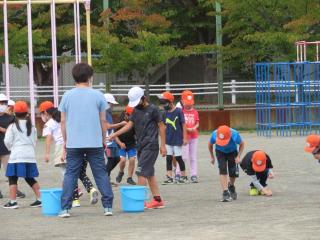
x=122 y=164
x=153 y=186
x=132 y=162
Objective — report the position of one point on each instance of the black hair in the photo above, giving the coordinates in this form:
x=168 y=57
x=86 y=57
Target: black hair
x=54 y=113
x=82 y=72
x=25 y=116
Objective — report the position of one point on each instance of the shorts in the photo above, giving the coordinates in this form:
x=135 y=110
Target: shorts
x=146 y=161
x=227 y=163
x=131 y=153
x=24 y=170
x=58 y=151
x=174 y=150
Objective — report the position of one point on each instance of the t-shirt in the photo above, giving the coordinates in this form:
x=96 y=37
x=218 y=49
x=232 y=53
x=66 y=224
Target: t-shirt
x=246 y=163
x=128 y=138
x=146 y=127
x=5 y=121
x=192 y=118
x=110 y=131
x=53 y=128
x=82 y=107
x=174 y=129
x=231 y=146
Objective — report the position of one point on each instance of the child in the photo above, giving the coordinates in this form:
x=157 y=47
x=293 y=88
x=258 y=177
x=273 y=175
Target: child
x=127 y=143
x=189 y=151
x=10 y=109
x=257 y=164
x=21 y=139
x=226 y=140
x=112 y=149
x=147 y=123
x=176 y=136
x=6 y=119
x=313 y=146
x=52 y=131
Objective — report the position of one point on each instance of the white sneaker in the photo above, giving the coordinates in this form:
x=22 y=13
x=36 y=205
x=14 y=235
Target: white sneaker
x=108 y=212
x=64 y=214
x=94 y=196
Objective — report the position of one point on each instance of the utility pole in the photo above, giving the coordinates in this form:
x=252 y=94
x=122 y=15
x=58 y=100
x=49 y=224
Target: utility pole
x=219 y=55
x=108 y=85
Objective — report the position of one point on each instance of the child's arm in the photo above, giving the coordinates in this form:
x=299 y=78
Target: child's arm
x=123 y=130
x=8 y=139
x=48 y=145
x=162 y=130
x=210 y=148
x=185 y=138
x=116 y=125
x=241 y=149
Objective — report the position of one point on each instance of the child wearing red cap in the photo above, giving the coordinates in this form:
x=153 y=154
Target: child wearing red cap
x=313 y=146
x=127 y=143
x=21 y=138
x=176 y=136
x=228 y=155
x=258 y=166
x=51 y=116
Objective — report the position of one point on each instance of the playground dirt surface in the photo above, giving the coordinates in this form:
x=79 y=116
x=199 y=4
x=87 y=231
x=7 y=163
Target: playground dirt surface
x=193 y=211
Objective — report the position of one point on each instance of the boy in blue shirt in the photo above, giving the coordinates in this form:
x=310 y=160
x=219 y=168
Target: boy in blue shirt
x=227 y=141
x=176 y=136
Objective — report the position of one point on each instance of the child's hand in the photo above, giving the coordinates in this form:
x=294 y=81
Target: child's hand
x=163 y=151
x=111 y=137
x=212 y=160
x=122 y=145
x=271 y=175
x=47 y=158
x=238 y=160
x=190 y=129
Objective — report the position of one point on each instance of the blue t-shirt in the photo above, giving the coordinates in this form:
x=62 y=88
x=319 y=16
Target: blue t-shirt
x=174 y=130
x=231 y=146
x=82 y=107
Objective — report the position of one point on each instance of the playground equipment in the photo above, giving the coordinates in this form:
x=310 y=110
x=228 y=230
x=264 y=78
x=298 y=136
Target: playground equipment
x=76 y=4
x=288 y=95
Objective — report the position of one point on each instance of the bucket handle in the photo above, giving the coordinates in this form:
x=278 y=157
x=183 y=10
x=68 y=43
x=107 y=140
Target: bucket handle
x=136 y=199
x=54 y=196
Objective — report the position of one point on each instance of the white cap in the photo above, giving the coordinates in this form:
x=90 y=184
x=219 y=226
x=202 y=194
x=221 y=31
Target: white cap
x=110 y=98
x=11 y=103
x=3 y=97
x=135 y=94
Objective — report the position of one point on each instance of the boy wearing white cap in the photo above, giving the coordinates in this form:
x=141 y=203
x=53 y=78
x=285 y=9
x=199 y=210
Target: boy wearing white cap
x=147 y=123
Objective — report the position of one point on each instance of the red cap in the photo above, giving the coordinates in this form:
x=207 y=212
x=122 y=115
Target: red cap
x=44 y=106
x=313 y=141
x=223 y=135
x=187 y=98
x=129 y=110
x=259 y=161
x=21 y=107
x=167 y=96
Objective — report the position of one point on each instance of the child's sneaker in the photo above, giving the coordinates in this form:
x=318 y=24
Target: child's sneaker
x=11 y=205
x=155 y=204
x=183 y=180
x=168 y=181
x=20 y=194
x=119 y=177
x=253 y=191
x=130 y=181
x=36 y=204
x=233 y=193
x=76 y=203
x=93 y=196
x=194 y=179
x=177 y=178
x=108 y=212
x=64 y=214
x=226 y=197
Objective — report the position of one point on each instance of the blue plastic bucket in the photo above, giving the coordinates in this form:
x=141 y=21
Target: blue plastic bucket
x=51 y=201
x=133 y=197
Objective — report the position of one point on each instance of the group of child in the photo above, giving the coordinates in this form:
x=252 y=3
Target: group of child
x=83 y=132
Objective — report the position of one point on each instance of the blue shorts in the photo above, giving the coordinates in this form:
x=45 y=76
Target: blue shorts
x=131 y=152
x=25 y=170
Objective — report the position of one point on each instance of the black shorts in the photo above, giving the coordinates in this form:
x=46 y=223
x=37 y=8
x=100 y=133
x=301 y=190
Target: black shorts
x=227 y=163
x=146 y=161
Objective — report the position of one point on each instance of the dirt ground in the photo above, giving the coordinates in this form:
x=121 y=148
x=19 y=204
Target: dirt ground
x=193 y=211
